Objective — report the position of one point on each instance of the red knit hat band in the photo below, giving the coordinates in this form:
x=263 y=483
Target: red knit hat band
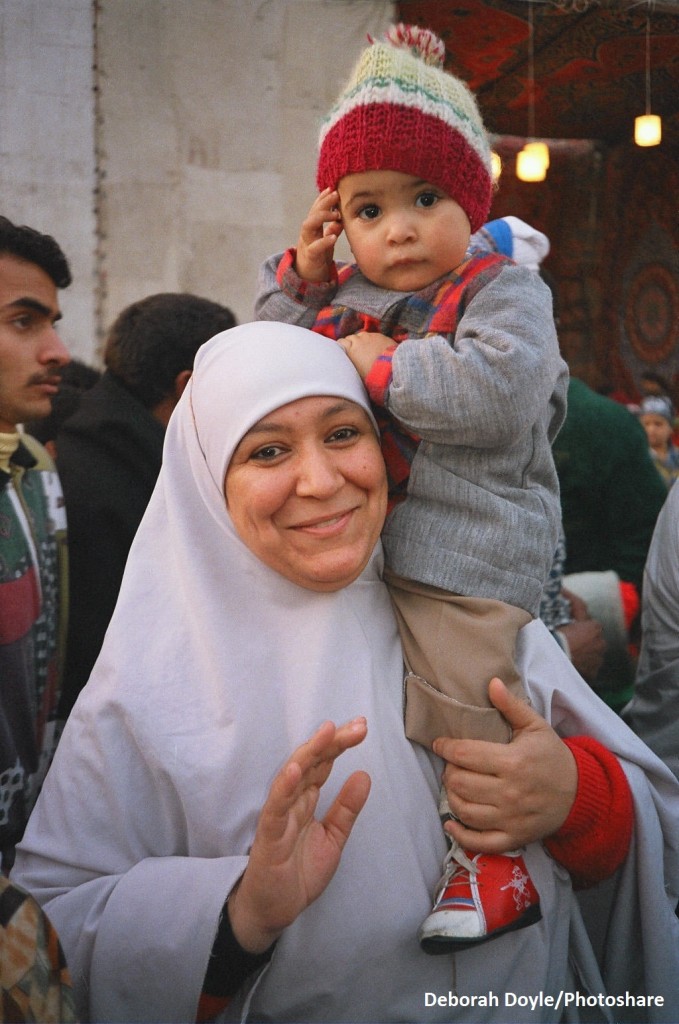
x=384 y=136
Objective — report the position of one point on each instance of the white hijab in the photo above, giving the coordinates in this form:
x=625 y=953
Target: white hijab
x=193 y=593
x=213 y=670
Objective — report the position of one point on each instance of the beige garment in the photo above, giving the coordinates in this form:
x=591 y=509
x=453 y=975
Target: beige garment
x=453 y=646
x=8 y=445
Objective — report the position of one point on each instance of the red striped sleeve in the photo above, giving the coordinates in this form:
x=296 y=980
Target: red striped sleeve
x=379 y=377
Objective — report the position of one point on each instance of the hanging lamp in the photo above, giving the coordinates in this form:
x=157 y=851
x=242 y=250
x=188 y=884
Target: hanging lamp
x=648 y=127
x=533 y=160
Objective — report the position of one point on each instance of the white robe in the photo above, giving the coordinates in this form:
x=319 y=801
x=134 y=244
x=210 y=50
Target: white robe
x=213 y=670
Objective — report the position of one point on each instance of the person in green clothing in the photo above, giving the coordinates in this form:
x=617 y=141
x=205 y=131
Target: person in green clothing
x=611 y=494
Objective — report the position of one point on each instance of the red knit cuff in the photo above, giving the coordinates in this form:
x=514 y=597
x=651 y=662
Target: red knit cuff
x=594 y=839
x=312 y=293
x=380 y=376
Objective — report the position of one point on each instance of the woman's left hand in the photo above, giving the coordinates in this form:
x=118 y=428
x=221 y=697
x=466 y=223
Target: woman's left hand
x=510 y=794
x=295 y=854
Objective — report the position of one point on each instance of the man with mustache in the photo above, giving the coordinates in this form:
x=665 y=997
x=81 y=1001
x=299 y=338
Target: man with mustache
x=32 y=524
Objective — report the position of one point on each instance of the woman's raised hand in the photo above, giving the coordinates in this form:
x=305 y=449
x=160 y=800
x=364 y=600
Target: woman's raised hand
x=294 y=855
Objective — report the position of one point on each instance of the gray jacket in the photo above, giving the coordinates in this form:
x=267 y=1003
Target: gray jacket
x=482 y=512
x=653 y=712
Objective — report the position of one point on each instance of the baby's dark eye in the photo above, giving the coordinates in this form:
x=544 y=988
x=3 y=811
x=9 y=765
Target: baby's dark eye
x=426 y=199
x=369 y=212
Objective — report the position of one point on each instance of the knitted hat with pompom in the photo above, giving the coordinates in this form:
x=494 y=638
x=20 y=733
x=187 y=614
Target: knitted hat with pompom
x=400 y=111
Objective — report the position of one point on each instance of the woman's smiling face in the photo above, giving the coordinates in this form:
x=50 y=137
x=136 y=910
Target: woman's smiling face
x=306 y=491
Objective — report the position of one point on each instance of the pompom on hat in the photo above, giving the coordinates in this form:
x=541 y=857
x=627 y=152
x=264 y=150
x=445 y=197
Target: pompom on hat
x=401 y=111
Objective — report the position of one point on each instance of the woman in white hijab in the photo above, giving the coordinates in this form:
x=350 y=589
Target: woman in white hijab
x=237 y=634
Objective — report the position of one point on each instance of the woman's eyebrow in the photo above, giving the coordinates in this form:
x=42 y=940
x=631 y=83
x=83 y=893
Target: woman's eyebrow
x=340 y=406
x=264 y=426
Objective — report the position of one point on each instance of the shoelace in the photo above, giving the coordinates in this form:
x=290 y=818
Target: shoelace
x=456 y=861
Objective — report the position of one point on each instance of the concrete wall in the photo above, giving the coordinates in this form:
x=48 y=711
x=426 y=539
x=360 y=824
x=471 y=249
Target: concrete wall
x=169 y=145
x=46 y=140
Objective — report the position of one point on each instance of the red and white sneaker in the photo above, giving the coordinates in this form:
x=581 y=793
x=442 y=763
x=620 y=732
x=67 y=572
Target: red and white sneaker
x=479 y=896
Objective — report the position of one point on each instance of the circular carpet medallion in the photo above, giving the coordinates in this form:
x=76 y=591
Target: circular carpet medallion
x=652 y=313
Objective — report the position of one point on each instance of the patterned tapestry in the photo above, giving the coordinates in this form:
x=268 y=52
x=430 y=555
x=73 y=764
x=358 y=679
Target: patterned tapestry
x=608 y=206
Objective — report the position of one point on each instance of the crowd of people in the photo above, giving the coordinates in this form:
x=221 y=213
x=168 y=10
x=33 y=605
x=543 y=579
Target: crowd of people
x=341 y=609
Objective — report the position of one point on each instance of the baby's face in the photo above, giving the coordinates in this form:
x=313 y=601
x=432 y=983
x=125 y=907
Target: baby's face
x=404 y=232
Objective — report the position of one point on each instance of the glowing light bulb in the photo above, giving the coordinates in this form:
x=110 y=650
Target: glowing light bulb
x=530 y=167
x=647 y=130
x=540 y=151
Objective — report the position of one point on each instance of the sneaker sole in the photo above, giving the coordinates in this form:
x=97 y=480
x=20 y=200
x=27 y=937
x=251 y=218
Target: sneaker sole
x=437 y=946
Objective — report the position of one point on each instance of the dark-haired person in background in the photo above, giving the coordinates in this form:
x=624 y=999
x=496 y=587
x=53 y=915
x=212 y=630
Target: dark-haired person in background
x=110 y=451
x=32 y=524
